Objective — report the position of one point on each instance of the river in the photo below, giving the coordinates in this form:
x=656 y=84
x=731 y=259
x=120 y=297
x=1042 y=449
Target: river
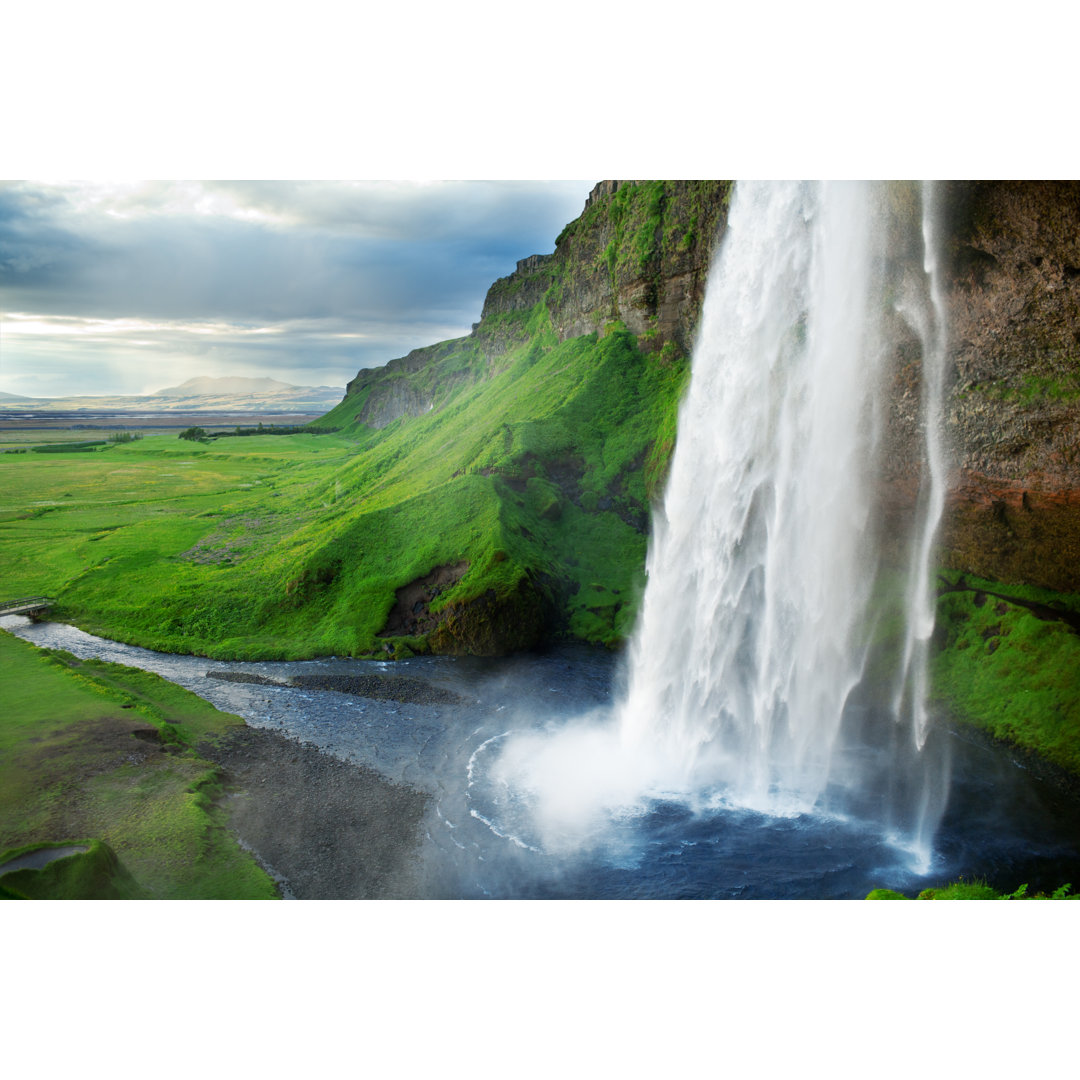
x=440 y=724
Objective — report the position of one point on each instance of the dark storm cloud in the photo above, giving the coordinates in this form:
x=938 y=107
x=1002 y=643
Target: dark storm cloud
x=33 y=249
x=362 y=253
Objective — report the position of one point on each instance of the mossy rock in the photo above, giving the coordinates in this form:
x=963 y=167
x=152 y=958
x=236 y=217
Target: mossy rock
x=961 y=890
x=94 y=873
x=885 y=894
x=493 y=625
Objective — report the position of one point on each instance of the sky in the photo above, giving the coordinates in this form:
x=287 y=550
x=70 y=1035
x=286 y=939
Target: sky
x=125 y=287
x=129 y=287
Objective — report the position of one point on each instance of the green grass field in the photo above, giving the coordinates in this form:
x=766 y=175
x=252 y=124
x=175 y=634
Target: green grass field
x=90 y=525
x=104 y=754
x=535 y=477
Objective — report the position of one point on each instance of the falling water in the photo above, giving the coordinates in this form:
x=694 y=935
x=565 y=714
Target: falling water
x=776 y=668
x=929 y=321
x=762 y=572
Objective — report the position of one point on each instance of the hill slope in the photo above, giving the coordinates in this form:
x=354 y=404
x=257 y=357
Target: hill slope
x=516 y=465
x=480 y=495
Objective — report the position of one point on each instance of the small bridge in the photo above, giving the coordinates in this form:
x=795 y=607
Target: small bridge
x=28 y=605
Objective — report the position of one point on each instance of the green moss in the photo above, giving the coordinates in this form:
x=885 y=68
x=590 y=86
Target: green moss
x=1035 y=389
x=1014 y=675
x=94 y=874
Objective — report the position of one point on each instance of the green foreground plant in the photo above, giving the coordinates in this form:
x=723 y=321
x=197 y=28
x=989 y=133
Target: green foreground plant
x=976 y=889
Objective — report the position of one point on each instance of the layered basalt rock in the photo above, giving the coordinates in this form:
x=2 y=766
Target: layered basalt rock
x=1012 y=406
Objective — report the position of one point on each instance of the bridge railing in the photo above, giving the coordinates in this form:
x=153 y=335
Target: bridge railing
x=26 y=601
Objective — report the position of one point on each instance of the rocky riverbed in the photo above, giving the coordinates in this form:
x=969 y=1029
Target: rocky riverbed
x=364 y=779
x=324 y=828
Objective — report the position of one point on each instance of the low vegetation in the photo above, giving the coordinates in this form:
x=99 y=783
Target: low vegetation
x=1008 y=661
x=976 y=889
x=277 y=429
x=104 y=757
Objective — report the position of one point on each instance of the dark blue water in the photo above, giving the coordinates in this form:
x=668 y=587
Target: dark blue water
x=1000 y=823
x=481 y=839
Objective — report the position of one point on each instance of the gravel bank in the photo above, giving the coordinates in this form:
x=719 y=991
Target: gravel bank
x=330 y=829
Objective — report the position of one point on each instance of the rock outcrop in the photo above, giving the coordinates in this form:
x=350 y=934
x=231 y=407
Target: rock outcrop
x=1012 y=409
x=639 y=254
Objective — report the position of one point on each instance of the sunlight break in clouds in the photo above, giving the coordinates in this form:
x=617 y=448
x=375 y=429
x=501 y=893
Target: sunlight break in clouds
x=17 y=323
x=110 y=288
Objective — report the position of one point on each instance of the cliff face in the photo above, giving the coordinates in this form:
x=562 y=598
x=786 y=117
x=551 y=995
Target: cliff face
x=1012 y=411
x=639 y=254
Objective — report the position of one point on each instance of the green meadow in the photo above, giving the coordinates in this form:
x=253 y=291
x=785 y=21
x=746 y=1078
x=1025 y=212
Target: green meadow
x=89 y=524
x=533 y=478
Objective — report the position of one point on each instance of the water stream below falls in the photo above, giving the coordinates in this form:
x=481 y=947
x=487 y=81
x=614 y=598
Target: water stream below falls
x=448 y=721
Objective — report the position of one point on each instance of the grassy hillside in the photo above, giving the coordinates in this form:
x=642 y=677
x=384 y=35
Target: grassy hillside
x=531 y=486
x=1008 y=661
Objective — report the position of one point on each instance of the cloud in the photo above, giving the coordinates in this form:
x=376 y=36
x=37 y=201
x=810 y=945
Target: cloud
x=489 y=211
x=34 y=248
x=317 y=278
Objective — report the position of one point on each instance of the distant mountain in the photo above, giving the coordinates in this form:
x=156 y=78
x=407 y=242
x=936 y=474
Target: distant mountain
x=238 y=386
x=203 y=394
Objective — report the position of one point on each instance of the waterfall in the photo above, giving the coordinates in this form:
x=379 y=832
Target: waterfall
x=777 y=666
x=757 y=616
x=929 y=321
